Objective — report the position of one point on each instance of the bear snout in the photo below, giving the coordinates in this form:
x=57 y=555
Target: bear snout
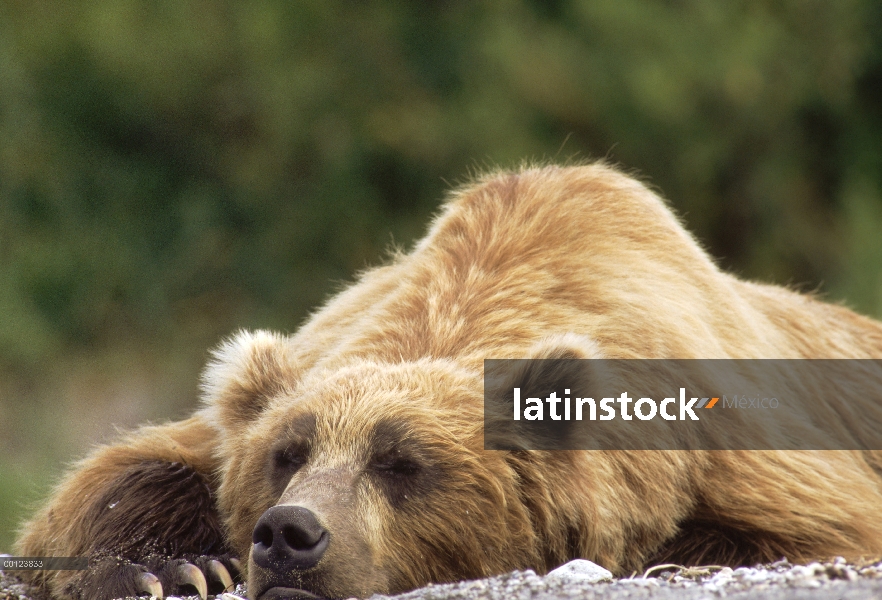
x=288 y=538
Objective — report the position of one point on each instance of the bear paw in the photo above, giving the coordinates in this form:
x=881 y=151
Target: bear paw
x=113 y=577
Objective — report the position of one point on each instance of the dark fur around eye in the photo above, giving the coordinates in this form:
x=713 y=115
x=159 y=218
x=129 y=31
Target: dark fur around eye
x=290 y=459
x=292 y=451
x=401 y=466
x=396 y=466
x=400 y=478
x=285 y=461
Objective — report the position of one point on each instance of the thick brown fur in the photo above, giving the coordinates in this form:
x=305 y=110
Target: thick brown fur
x=389 y=372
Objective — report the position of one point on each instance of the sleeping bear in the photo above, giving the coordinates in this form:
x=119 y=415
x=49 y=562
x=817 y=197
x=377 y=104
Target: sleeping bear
x=348 y=458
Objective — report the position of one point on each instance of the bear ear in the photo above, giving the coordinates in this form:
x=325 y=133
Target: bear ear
x=565 y=345
x=244 y=374
x=553 y=360
x=551 y=365
x=545 y=364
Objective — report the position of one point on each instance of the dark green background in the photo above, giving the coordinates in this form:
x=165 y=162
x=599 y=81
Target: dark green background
x=173 y=170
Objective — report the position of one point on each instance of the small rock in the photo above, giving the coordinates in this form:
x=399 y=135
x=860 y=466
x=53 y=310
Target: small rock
x=581 y=570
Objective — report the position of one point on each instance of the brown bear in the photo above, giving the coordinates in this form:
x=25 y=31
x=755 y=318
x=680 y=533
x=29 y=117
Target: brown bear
x=349 y=459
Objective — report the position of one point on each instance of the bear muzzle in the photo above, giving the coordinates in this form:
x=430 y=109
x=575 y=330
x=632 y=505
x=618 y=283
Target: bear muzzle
x=287 y=540
x=312 y=543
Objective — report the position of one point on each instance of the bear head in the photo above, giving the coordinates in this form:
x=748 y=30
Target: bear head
x=362 y=478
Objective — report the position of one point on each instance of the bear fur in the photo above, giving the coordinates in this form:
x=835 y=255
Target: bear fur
x=371 y=417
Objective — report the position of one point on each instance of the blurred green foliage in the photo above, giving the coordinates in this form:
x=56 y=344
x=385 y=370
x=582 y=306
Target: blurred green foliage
x=173 y=170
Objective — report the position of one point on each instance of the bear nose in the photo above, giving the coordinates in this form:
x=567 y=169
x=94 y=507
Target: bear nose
x=288 y=538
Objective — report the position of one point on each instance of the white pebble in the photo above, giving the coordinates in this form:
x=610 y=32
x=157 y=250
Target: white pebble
x=581 y=570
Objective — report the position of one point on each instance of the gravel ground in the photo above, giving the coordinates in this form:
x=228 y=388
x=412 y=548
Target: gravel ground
x=778 y=581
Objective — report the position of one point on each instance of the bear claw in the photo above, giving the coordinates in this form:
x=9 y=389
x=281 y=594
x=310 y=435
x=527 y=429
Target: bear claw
x=190 y=574
x=148 y=582
x=221 y=574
